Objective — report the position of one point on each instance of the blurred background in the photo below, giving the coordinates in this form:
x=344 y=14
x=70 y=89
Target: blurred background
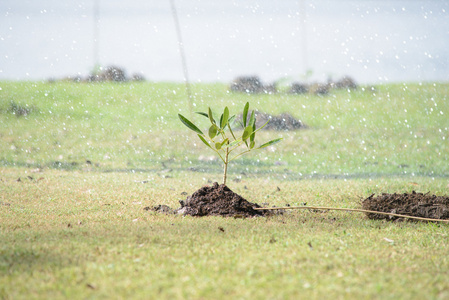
x=372 y=41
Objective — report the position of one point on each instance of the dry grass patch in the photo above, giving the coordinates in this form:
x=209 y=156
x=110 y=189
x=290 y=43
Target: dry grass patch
x=86 y=234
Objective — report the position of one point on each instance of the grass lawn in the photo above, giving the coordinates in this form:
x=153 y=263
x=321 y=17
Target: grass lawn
x=91 y=157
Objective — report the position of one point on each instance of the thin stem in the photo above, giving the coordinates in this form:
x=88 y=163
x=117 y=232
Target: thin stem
x=96 y=36
x=232 y=133
x=226 y=166
x=239 y=155
x=356 y=210
x=233 y=148
x=183 y=57
x=219 y=155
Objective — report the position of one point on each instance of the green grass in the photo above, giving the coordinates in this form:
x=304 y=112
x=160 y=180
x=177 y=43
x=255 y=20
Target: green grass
x=399 y=129
x=78 y=229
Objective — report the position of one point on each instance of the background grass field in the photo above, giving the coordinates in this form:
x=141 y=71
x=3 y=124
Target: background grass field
x=91 y=157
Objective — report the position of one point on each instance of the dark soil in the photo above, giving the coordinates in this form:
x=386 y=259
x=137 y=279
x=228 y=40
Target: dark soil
x=251 y=85
x=282 y=122
x=414 y=204
x=215 y=200
x=218 y=200
x=110 y=73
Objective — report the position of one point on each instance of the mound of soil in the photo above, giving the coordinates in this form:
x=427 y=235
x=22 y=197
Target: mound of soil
x=218 y=200
x=282 y=122
x=110 y=73
x=414 y=204
x=251 y=85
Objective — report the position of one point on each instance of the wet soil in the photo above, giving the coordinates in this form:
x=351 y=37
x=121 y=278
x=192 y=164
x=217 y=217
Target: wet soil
x=218 y=200
x=215 y=200
x=413 y=204
x=282 y=122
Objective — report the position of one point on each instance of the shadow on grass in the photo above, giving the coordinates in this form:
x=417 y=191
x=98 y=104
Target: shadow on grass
x=58 y=165
x=291 y=176
x=239 y=169
x=26 y=259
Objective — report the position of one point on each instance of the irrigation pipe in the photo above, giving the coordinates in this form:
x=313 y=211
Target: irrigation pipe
x=354 y=209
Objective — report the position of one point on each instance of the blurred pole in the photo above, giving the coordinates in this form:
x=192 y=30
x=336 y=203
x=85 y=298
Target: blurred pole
x=302 y=16
x=96 y=35
x=183 y=57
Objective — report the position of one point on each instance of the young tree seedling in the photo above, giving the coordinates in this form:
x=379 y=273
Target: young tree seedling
x=221 y=138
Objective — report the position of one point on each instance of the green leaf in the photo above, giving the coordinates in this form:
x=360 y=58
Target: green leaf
x=232 y=144
x=230 y=127
x=204 y=141
x=189 y=124
x=247 y=132
x=270 y=143
x=252 y=137
x=224 y=118
x=252 y=123
x=252 y=144
x=201 y=113
x=263 y=125
x=213 y=131
x=218 y=146
x=252 y=119
x=245 y=114
x=211 y=116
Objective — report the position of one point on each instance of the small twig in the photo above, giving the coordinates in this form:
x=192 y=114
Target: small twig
x=183 y=57
x=356 y=210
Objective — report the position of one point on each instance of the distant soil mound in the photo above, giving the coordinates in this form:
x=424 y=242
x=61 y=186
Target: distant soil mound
x=323 y=88
x=282 y=122
x=414 y=204
x=254 y=85
x=110 y=73
x=251 y=85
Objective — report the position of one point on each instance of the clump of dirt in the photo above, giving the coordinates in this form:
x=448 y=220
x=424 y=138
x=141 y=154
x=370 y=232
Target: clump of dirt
x=414 y=204
x=110 y=73
x=251 y=85
x=218 y=200
x=282 y=122
x=161 y=209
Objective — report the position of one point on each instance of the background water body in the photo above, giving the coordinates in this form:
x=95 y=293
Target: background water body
x=371 y=41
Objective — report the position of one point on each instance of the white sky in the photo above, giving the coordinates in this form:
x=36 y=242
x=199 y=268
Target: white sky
x=371 y=41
